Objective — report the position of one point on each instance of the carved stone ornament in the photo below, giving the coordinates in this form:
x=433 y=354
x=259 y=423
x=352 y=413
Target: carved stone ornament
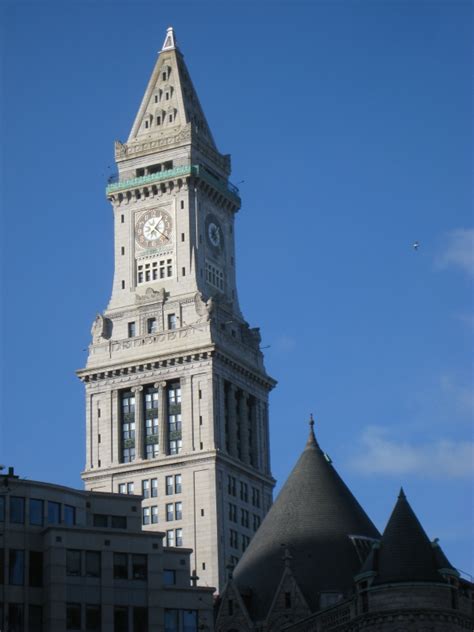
x=151 y=295
x=101 y=329
x=201 y=307
x=120 y=149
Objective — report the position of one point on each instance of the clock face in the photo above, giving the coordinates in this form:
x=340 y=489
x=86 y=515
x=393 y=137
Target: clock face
x=214 y=233
x=153 y=228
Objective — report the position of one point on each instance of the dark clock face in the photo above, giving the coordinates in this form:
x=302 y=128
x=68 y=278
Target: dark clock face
x=215 y=237
x=153 y=228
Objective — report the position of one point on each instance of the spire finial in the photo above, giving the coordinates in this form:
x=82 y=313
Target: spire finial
x=311 y=439
x=402 y=493
x=170 y=40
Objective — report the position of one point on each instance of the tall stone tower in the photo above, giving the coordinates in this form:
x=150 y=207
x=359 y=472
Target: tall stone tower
x=176 y=389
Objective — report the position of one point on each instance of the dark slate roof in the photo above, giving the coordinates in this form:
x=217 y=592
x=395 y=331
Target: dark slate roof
x=313 y=517
x=405 y=553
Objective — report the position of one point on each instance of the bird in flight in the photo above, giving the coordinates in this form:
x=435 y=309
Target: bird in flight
x=416 y=245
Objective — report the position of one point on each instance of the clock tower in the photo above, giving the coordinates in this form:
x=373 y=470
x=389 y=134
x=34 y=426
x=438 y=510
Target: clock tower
x=176 y=388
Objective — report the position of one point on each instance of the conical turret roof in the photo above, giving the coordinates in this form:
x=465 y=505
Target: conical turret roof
x=405 y=553
x=313 y=517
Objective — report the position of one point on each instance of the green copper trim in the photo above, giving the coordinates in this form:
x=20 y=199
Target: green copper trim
x=152 y=177
x=196 y=170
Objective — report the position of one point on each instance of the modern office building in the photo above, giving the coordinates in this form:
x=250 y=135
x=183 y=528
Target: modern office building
x=79 y=560
x=176 y=388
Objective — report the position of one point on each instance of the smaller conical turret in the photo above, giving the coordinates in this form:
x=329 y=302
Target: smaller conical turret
x=405 y=553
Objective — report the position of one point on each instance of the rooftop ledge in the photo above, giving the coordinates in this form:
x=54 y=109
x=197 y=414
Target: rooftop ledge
x=185 y=170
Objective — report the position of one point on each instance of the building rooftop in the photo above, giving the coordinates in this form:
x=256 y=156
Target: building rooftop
x=313 y=518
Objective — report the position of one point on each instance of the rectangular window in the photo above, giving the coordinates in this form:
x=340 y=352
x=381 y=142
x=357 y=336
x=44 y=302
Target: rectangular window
x=154 y=514
x=146 y=489
x=214 y=276
x=120 y=566
x=179 y=537
x=73 y=562
x=54 y=512
x=170 y=537
x=190 y=620
x=128 y=427
x=36 y=512
x=122 y=250
x=35 y=618
x=178 y=511
x=152 y=326
x=17 y=509
x=16 y=620
x=131 y=329
x=244 y=492
x=16 y=567
x=140 y=619
x=119 y=522
x=146 y=515
x=122 y=488
x=120 y=619
x=36 y=569
x=93 y=619
x=139 y=567
x=171 y=321
x=244 y=517
x=256 y=522
x=231 y=485
x=73 y=616
x=123 y=285
x=174 y=419
x=169 y=512
x=154 y=487
x=232 y=512
x=130 y=488
x=234 y=539
x=169 y=485
x=100 y=520
x=255 y=497
x=93 y=563
x=171 y=620
x=169 y=577
x=177 y=484
x=69 y=515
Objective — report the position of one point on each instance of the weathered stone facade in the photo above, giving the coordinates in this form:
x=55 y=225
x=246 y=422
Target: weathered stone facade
x=78 y=560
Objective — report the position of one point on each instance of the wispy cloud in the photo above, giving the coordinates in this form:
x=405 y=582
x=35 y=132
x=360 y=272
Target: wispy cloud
x=461 y=395
x=459 y=250
x=381 y=454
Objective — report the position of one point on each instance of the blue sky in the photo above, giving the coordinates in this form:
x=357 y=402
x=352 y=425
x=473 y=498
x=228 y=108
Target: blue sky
x=349 y=124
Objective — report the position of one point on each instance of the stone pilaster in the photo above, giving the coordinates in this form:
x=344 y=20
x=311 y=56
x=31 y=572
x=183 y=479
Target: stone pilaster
x=244 y=427
x=232 y=417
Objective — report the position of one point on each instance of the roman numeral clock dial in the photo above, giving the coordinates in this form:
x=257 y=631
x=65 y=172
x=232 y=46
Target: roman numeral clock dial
x=153 y=228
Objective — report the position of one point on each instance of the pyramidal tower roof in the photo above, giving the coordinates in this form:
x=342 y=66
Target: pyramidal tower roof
x=405 y=553
x=313 y=517
x=170 y=102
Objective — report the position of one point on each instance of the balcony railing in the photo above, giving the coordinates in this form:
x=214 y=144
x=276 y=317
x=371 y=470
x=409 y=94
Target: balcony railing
x=185 y=170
